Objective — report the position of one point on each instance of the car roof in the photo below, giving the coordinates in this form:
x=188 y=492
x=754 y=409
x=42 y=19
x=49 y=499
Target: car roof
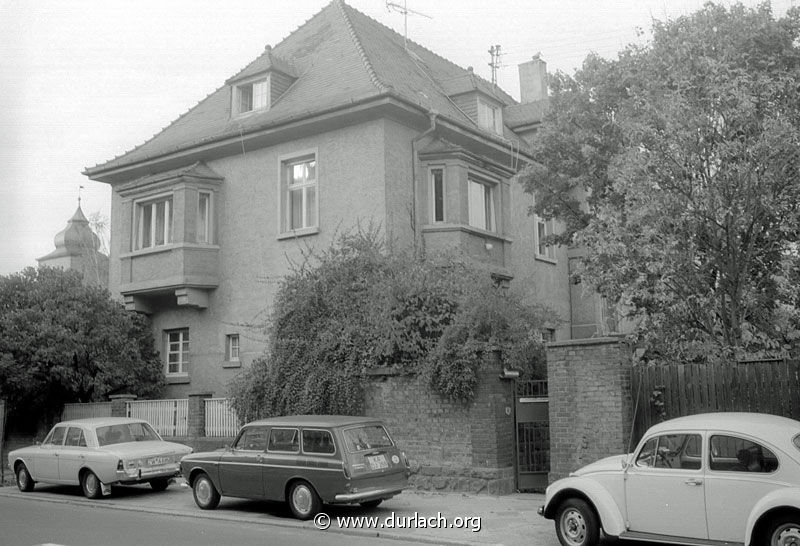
x=315 y=420
x=101 y=421
x=778 y=430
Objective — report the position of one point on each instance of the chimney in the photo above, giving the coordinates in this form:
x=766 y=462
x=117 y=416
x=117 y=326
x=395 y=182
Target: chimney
x=533 y=80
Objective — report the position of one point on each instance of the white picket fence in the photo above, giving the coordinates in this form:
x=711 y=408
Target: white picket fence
x=89 y=409
x=221 y=420
x=168 y=417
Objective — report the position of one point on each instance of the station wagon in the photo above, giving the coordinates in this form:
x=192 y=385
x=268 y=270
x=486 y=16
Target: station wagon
x=304 y=460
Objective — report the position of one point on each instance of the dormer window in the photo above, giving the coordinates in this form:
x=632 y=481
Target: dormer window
x=252 y=96
x=490 y=117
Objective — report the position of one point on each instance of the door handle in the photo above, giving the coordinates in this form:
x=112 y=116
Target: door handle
x=694 y=482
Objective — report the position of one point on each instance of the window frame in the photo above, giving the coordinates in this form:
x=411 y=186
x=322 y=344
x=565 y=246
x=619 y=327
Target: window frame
x=207 y=237
x=548 y=226
x=269 y=440
x=152 y=202
x=434 y=219
x=250 y=84
x=317 y=453
x=183 y=365
x=687 y=436
x=494 y=121
x=229 y=346
x=285 y=166
x=489 y=215
x=765 y=449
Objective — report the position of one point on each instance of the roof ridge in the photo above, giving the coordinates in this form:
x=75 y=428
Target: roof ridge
x=373 y=76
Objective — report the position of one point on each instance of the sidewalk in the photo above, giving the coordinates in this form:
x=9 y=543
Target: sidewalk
x=508 y=520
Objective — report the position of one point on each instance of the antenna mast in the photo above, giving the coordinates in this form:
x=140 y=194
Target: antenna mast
x=394 y=6
x=494 y=51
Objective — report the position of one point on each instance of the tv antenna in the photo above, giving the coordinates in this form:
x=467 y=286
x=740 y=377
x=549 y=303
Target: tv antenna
x=394 y=6
x=494 y=51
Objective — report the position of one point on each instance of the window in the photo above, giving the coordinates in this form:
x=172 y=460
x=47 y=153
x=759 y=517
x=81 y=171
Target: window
x=153 y=223
x=544 y=228
x=75 y=437
x=300 y=194
x=252 y=96
x=548 y=335
x=56 y=436
x=437 y=195
x=490 y=117
x=204 y=218
x=366 y=437
x=232 y=347
x=318 y=441
x=731 y=454
x=252 y=439
x=124 y=433
x=481 y=205
x=284 y=439
x=177 y=352
x=671 y=451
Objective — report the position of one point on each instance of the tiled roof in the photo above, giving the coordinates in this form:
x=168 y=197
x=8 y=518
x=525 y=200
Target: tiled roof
x=517 y=115
x=339 y=56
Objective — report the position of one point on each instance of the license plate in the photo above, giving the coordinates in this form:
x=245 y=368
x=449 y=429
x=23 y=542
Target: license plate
x=156 y=461
x=376 y=462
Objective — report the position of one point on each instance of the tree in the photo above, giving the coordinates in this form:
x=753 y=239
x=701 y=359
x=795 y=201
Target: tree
x=62 y=341
x=360 y=305
x=686 y=152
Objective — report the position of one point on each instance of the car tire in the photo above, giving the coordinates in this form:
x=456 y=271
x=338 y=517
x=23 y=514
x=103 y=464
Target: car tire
x=91 y=486
x=371 y=504
x=159 y=484
x=576 y=524
x=783 y=530
x=24 y=480
x=205 y=494
x=303 y=500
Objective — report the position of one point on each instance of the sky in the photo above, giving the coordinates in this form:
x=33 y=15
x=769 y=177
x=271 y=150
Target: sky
x=83 y=81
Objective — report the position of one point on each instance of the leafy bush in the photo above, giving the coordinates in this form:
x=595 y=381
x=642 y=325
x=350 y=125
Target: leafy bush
x=359 y=306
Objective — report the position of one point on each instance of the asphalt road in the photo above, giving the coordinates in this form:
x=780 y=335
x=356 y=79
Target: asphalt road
x=28 y=522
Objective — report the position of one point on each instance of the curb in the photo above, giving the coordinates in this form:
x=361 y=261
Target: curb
x=208 y=514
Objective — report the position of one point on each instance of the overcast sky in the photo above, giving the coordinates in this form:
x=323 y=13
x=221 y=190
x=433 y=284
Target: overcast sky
x=82 y=81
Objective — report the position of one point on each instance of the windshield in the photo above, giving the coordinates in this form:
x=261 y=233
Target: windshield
x=127 y=432
x=366 y=437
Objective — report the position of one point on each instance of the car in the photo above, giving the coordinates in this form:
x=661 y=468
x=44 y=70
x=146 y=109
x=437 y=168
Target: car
x=97 y=453
x=715 y=478
x=305 y=460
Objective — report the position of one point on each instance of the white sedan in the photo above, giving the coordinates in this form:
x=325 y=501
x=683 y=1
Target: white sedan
x=716 y=478
x=97 y=453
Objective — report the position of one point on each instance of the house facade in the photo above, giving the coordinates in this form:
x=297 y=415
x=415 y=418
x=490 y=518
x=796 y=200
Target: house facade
x=343 y=123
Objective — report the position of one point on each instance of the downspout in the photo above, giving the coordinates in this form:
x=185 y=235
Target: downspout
x=432 y=117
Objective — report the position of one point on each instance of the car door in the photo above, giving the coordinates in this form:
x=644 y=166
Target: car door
x=665 y=489
x=282 y=460
x=73 y=455
x=47 y=457
x=741 y=471
x=240 y=467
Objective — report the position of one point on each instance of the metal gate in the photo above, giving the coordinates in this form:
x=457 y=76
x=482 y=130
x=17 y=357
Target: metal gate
x=532 y=435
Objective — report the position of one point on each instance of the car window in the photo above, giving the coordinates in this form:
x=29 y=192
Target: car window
x=318 y=441
x=75 y=437
x=366 y=437
x=56 y=436
x=252 y=439
x=672 y=451
x=284 y=439
x=797 y=441
x=125 y=432
x=733 y=454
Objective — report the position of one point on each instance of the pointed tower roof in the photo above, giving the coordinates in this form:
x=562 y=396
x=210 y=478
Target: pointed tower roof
x=75 y=240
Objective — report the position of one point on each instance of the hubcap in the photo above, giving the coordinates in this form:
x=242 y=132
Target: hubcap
x=203 y=491
x=91 y=483
x=301 y=498
x=22 y=476
x=573 y=527
x=787 y=534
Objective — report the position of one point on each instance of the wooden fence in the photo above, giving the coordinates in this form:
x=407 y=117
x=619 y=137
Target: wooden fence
x=673 y=390
x=168 y=417
x=221 y=420
x=89 y=409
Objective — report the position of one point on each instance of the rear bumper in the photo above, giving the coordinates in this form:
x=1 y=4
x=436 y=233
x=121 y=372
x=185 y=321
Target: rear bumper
x=368 y=495
x=146 y=474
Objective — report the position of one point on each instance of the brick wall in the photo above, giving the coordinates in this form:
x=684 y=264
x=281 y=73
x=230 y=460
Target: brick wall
x=453 y=446
x=590 y=402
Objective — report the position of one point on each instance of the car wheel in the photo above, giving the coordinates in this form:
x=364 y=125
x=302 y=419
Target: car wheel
x=159 y=484
x=205 y=494
x=784 y=531
x=24 y=480
x=371 y=504
x=303 y=500
x=576 y=524
x=90 y=484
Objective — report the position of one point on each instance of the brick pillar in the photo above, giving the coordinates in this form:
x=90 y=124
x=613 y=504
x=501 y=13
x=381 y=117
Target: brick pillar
x=119 y=404
x=590 y=402
x=492 y=425
x=197 y=414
